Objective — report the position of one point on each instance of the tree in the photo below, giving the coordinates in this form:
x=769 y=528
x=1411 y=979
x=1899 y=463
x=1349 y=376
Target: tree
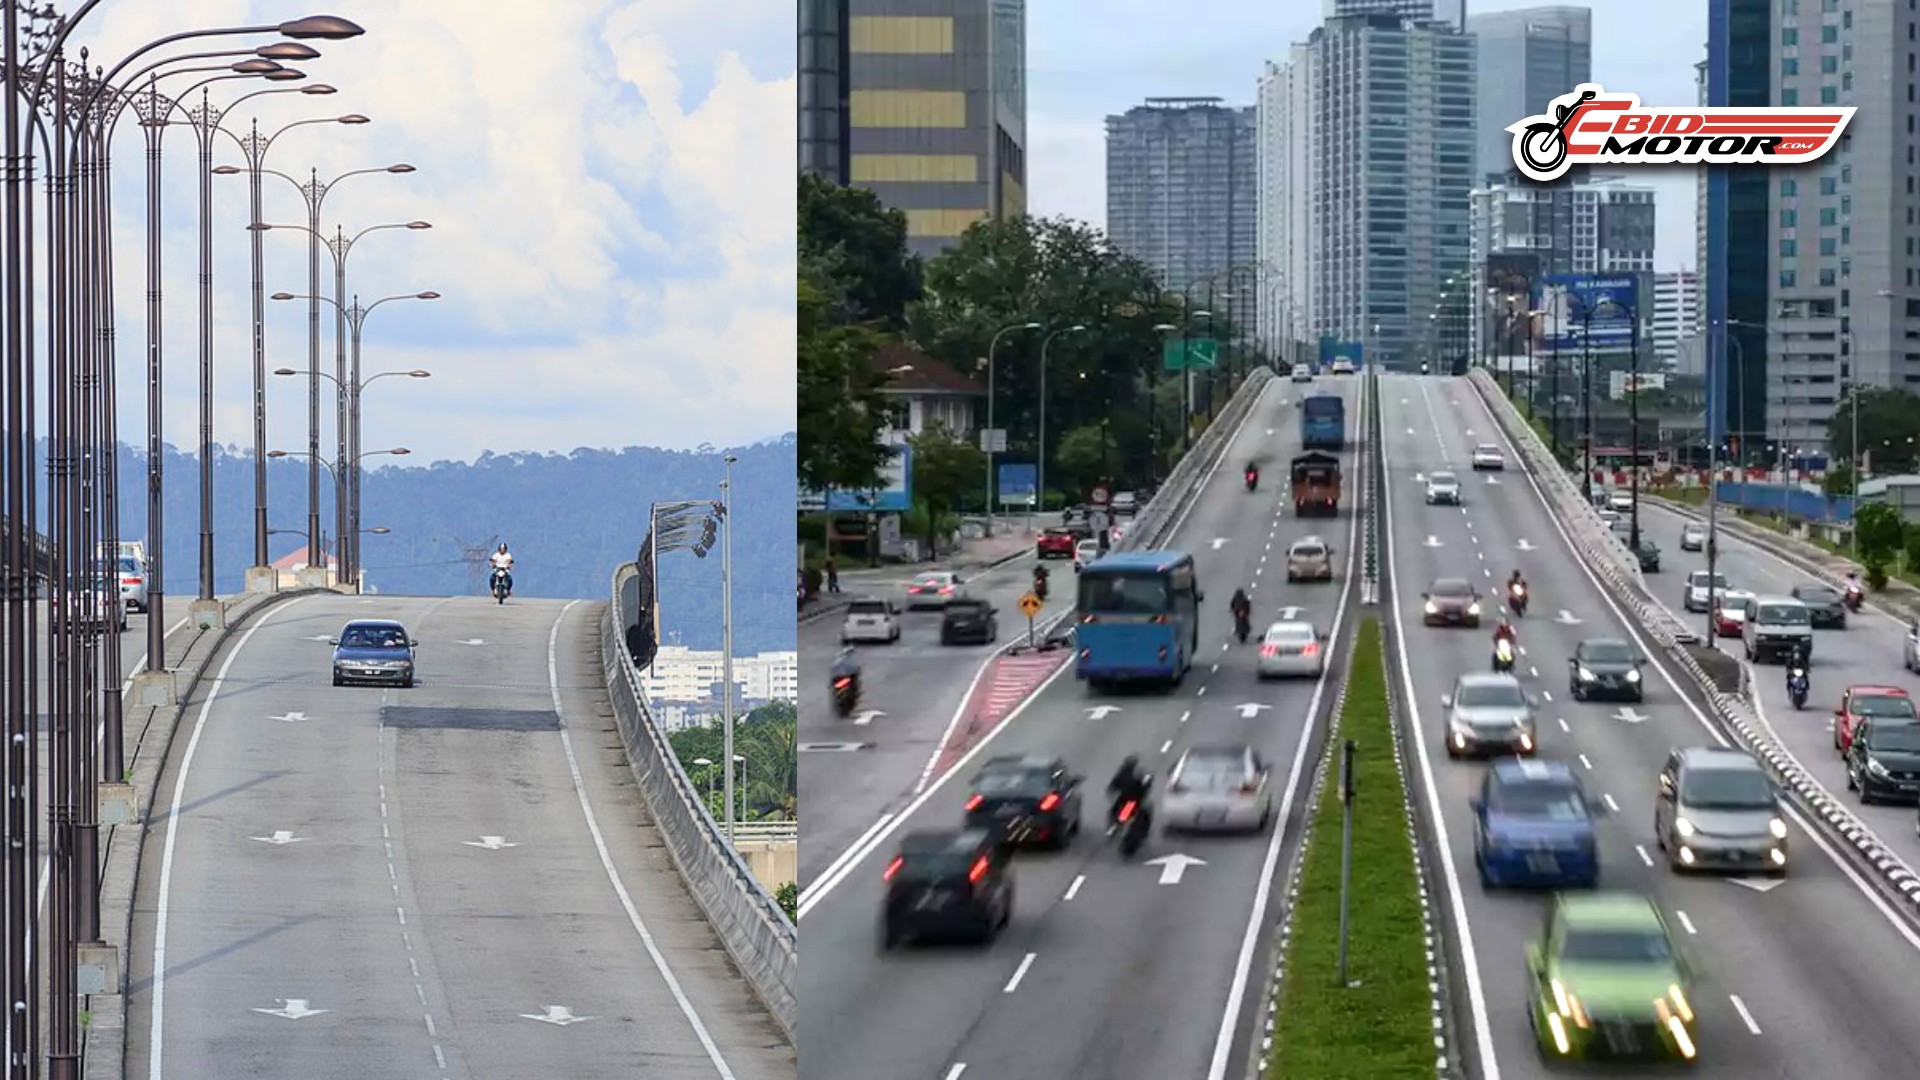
x=1889 y=428
x=944 y=472
x=858 y=247
x=1080 y=461
x=1838 y=481
x=1879 y=531
x=840 y=410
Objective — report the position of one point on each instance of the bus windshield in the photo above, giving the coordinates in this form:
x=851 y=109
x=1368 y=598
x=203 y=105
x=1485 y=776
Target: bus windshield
x=1125 y=594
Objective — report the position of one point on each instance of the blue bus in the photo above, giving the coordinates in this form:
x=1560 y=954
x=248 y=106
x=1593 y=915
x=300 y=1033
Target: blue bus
x=1139 y=618
x=1323 y=422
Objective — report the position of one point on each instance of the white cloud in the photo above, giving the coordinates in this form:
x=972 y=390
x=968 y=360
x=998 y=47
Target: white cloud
x=613 y=243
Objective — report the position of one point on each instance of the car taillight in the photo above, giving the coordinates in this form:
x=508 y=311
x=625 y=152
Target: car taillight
x=1052 y=800
x=1126 y=810
x=1084 y=619
x=1269 y=650
x=946 y=589
x=1311 y=648
x=974 y=802
x=978 y=870
x=892 y=868
x=129 y=581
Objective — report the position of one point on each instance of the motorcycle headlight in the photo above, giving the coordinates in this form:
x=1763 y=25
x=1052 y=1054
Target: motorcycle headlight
x=1683 y=826
x=1778 y=828
x=1585 y=675
x=1633 y=676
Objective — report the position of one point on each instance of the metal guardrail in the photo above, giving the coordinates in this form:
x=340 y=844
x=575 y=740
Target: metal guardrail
x=39 y=548
x=1373 y=477
x=1155 y=520
x=766 y=831
x=749 y=922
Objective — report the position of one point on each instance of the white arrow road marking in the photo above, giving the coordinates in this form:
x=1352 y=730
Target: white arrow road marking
x=1291 y=613
x=491 y=843
x=470 y=641
x=1523 y=545
x=1469 y=430
x=281 y=837
x=1219 y=542
x=1409 y=431
x=292 y=1009
x=558 y=1015
x=866 y=716
x=1630 y=716
x=291 y=718
x=830 y=747
x=1270 y=430
x=1432 y=542
x=1567 y=618
x=1172 y=867
x=1492 y=479
x=1419 y=478
x=1248 y=710
x=1760 y=885
x=1101 y=712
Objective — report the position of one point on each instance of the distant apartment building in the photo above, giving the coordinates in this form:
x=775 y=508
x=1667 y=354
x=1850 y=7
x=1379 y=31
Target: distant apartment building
x=1181 y=189
x=937 y=106
x=1524 y=59
x=823 y=64
x=1283 y=150
x=1676 y=310
x=1449 y=11
x=694 y=676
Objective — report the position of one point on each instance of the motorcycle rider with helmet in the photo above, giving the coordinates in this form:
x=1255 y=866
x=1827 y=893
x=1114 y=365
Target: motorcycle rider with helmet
x=1797 y=680
x=1517 y=591
x=502 y=562
x=1129 y=783
x=1242 y=607
x=847 y=667
x=1040 y=581
x=1504 y=632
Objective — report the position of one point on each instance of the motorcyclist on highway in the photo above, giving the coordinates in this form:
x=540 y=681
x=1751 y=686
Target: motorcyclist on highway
x=1516 y=582
x=1128 y=783
x=846 y=666
x=1242 y=607
x=502 y=561
x=1505 y=632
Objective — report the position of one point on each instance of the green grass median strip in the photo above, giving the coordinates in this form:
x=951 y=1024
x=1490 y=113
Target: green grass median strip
x=1381 y=1028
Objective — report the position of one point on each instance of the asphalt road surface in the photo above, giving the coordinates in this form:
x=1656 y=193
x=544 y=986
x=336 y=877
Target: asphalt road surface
x=1105 y=971
x=1809 y=977
x=409 y=883
x=1867 y=652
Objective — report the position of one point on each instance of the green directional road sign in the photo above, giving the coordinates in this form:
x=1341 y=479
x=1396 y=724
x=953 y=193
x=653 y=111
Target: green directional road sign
x=1200 y=353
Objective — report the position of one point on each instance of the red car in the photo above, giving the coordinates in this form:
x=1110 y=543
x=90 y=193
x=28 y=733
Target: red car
x=1055 y=544
x=1877 y=703
x=1730 y=613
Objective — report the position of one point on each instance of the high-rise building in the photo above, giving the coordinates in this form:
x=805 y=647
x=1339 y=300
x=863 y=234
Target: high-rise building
x=1450 y=11
x=938 y=111
x=1284 y=148
x=823 y=89
x=1392 y=111
x=1525 y=59
x=1181 y=187
x=1676 y=311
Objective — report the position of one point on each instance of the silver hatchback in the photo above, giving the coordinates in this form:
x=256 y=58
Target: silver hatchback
x=1717 y=808
x=1489 y=714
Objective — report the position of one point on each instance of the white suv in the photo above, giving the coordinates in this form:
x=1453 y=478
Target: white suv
x=1488 y=456
x=870 y=620
x=1302 y=373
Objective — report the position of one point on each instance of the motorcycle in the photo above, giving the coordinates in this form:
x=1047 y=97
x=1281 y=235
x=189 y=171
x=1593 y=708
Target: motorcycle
x=1253 y=479
x=1242 y=626
x=1423 y=367
x=1133 y=821
x=1797 y=686
x=846 y=694
x=1503 y=657
x=1853 y=598
x=1517 y=600
x=502 y=584
x=1040 y=586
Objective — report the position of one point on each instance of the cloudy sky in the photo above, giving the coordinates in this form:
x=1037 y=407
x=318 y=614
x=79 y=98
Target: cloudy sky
x=615 y=256
x=1092 y=58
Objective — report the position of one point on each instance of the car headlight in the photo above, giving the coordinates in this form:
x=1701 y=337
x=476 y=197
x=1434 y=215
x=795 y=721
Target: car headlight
x=1633 y=676
x=1459 y=726
x=1432 y=608
x=1585 y=675
x=1877 y=769
x=1778 y=828
x=1473 y=608
x=1683 y=826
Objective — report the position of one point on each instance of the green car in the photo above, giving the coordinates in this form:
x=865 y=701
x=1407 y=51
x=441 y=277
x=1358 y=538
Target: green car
x=1608 y=982
x=1649 y=557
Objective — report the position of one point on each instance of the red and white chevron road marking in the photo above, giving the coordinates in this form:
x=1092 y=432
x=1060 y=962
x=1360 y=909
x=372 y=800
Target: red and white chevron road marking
x=1011 y=681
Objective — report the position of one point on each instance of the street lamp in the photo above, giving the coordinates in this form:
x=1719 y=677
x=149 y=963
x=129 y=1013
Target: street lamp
x=1040 y=482
x=987 y=435
x=336 y=470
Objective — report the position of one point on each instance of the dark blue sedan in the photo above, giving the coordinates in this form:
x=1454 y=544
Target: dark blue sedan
x=1534 y=827
x=373 y=651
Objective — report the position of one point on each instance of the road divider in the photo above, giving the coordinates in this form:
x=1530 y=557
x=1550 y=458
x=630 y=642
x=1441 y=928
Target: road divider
x=1390 y=997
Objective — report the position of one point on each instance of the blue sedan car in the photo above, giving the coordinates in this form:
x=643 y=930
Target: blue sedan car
x=373 y=651
x=1534 y=827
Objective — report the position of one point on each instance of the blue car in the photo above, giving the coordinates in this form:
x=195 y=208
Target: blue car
x=1534 y=826
x=373 y=651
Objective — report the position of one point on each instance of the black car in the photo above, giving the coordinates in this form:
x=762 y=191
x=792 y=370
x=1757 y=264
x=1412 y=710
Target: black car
x=1824 y=604
x=1603 y=668
x=373 y=651
x=1883 y=761
x=1649 y=556
x=968 y=622
x=947 y=884
x=1029 y=800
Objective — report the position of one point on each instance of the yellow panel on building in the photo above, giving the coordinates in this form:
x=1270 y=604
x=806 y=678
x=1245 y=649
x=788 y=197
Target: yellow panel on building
x=908 y=108
x=941 y=222
x=915 y=168
x=1013 y=197
x=921 y=35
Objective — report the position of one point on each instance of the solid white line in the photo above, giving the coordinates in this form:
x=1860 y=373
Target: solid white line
x=1074 y=889
x=1463 y=929
x=1741 y=1007
x=156 y=1026
x=1018 y=974
x=878 y=824
x=1263 y=894
x=606 y=860
x=1685 y=922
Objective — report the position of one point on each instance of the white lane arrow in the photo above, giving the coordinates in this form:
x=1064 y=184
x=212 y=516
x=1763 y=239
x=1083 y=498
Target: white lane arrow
x=1218 y=543
x=1270 y=430
x=1524 y=545
x=1172 y=867
x=1631 y=716
x=1101 y=712
x=491 y=843
x=1469 y=430
x=292 y=1009
x=281 y=837
x=1432 y=542
x=1409 y=431
x=1492 y=479
x=1419 y=478
x=1567 y=618
x=558 y=1015
x=1291 y=613
x=1248 y=709
x=1759 y=885
x=471 y=641
x=865 y=716
x=291 y=718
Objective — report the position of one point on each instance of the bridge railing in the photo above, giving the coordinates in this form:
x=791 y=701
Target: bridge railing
x=745 y=916
x=39 y=548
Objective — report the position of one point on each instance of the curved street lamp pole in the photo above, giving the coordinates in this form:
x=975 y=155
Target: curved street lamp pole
x=993 y=345
x=1040 y=467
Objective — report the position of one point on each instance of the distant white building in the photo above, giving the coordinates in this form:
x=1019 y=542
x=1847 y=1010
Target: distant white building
x=692 y=677
x=1676 y=311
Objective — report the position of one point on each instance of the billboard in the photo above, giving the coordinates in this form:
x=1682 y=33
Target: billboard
x=1511 y=276
x=1017 y=484
x=1332 y=349
x=1566 y=301
x=895 y=494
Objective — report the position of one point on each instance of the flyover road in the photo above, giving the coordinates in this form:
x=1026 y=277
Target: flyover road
x=451 y=880
x=1809 y=977
x=1104 y=970
x=858 y=771
x=1868 y=651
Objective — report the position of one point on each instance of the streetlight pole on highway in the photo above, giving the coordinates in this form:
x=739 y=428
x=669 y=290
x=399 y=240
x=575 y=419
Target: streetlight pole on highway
x=987 y=440
x=726 y=624
x=335 y=469
x=1040 y=482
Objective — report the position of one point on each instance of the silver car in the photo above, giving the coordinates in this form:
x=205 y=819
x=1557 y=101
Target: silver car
x=1488 y=457
x=1443 y=487
x=1489 y=714
x=1716 y=807
x=934 y=588
x=1084 y=553
x=1309 y=559
x=133 y=583
x=1302 y=373
x=1701 y=593
x=1693 y=537
x=1224 y=788
x=1292 y=649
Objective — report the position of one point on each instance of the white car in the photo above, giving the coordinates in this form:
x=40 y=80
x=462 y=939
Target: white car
x=1488 y=456
x=1302 y=373
x=1700 y=596
x=934 y=588
x=1341 y=366
x=1693 y=537
x=1620 y=500
x=870 y=620
x=1292 y=649
x=1443 y=487
x=1085 y=552
x=1218 y=787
